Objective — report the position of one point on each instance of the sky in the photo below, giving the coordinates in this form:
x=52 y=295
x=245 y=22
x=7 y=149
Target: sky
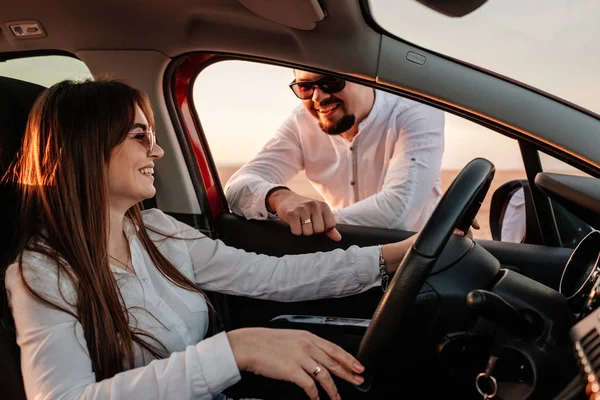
x=552 y=47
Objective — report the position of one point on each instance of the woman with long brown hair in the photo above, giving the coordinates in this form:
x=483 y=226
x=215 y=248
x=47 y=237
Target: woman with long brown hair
x=107 y=300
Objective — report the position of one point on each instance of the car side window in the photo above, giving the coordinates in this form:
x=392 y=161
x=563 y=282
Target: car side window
x=571 y=229
x=466 y=140
x=45 y=70
x=554 y=165
x=241 y=104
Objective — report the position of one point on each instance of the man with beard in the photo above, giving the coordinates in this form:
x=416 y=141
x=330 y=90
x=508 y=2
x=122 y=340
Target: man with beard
x=373 y=156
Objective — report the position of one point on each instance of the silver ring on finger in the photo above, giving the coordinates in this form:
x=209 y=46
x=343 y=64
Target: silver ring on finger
x=307 y=221
x=317 y=370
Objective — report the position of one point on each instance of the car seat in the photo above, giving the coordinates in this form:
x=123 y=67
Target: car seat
x=16 y=100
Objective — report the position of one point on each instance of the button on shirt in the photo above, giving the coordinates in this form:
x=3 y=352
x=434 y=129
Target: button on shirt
x=387 y=176
x=54 y=355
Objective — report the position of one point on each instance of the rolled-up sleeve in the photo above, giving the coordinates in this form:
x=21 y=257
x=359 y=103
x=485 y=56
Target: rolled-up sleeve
x=411 y=177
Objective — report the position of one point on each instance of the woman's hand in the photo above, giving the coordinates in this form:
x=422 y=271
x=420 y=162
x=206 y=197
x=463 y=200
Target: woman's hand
x=469 y=234
x=294 y=356
x=393 y=253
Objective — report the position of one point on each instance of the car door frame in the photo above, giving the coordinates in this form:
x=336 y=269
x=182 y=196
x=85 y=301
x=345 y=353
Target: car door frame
x=178 y=86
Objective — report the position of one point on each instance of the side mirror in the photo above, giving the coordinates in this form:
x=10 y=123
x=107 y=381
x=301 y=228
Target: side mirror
x=512 y=214
x=513 y=217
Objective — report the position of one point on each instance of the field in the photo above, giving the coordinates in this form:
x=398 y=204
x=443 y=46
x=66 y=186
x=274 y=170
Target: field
x=301 y=185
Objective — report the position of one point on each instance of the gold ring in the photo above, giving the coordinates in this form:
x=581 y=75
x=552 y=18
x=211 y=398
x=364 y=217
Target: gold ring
x=307 y=221
x=317 y=370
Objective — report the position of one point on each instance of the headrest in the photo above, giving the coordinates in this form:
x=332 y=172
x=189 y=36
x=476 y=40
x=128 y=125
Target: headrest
x=16 y=100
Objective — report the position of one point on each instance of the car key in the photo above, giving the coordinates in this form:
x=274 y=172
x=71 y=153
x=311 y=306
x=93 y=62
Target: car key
x=485 y=383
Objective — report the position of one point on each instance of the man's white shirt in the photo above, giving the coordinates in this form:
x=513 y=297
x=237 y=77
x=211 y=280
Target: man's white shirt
x=388 y=176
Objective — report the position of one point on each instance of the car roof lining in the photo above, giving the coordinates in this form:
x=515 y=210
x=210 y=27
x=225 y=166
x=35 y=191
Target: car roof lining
x=182 y=26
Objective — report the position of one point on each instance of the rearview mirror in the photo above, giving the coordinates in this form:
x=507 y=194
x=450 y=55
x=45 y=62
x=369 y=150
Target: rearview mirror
x=513 y=217
x=453 y=8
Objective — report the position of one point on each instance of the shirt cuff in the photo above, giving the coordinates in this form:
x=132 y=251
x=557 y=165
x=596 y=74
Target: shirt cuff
x=217 y=362
x=260 y=200
x=367 y=256
x=337 y=214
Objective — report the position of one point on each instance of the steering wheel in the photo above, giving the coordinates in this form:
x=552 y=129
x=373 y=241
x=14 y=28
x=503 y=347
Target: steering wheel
x=456 y=209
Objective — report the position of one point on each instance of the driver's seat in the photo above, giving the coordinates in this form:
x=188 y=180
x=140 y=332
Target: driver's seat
x=16 y=100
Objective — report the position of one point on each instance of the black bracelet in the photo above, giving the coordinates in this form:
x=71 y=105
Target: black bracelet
x=385 y=277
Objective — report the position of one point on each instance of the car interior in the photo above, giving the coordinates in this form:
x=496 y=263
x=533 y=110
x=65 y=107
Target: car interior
x=459 y=311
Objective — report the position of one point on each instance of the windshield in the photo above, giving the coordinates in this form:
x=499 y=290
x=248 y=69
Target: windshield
x=550 y=45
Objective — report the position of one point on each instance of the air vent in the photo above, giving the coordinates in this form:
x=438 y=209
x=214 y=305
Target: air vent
x=26 y=29
x=588 y=354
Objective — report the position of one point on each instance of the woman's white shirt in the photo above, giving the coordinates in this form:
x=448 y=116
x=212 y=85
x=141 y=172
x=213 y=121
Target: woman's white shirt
x=54 y=358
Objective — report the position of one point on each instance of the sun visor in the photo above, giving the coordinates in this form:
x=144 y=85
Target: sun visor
x=299 y=14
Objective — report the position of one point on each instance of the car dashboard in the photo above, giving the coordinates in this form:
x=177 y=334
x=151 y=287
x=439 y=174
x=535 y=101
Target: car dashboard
x=581 y=286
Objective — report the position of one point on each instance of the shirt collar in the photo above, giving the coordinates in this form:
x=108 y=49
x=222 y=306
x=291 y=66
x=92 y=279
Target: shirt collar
x=377 y=105
x=130 y=229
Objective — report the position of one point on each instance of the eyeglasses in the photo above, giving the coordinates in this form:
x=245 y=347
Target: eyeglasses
x=146 y=136
x=304 y=90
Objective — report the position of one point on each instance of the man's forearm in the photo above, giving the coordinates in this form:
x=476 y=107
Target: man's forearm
x=246 y=196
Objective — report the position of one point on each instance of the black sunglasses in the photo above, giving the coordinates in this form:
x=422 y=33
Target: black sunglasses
x=329 y=84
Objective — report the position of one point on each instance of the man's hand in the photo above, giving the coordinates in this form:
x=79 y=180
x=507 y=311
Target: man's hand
x=304 y=215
